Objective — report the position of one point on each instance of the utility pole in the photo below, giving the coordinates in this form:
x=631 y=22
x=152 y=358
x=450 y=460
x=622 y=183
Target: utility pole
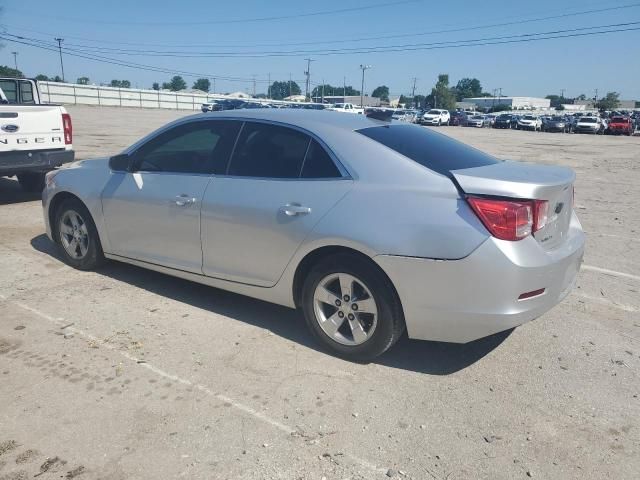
x=322 y=97
x=308 y=75
x=269 y=87
x=254 y=84
x=499 y=94
x=413 y=92
x=60 y=40
x=15 y=59
x=289 y=85
x=562 y=93
x=595 y=100
x=214 y=85
x=363 y=68
x=344 y=88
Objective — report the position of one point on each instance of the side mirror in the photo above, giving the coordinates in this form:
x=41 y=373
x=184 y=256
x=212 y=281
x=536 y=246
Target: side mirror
x=120 y=162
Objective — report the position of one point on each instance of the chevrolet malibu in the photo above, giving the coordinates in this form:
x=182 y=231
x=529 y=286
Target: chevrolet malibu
x=369 y=228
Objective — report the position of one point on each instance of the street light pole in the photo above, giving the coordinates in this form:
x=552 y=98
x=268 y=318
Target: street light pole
x=15 y=59
x=308 y=74
x=363 y=68
x=60 y=40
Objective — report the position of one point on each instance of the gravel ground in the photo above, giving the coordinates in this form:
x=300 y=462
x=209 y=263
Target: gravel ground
x=130 y=374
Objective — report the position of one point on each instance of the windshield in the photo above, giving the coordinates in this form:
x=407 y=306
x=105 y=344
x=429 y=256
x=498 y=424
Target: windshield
x=433 y=112
x=557 y=119
x=504 y=117
x=528 y=117
x=619 y=120
x=477 y=117
x=432 y=150
x=588 y=120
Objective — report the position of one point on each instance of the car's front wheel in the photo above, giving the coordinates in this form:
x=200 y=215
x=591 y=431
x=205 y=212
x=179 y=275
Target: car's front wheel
x=351 y=307
x=75 y=232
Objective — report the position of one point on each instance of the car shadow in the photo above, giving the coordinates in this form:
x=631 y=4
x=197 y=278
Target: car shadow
x=433 y=358
x=11 y=192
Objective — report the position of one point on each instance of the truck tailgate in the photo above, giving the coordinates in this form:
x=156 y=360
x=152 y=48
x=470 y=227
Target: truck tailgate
x=32 y=127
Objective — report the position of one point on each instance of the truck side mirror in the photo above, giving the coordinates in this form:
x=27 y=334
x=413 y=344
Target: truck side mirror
x=120 y=163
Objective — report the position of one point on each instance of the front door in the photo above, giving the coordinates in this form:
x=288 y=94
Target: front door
x=153 y=213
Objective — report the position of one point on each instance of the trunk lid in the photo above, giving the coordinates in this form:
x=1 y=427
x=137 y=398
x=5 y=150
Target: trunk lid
x=525 y=181
x=31 y=127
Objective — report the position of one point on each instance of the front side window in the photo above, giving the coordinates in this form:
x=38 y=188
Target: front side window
x=197 y=147
x=269 y=151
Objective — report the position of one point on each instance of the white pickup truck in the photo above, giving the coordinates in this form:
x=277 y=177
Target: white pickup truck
x=346 y=108
x=34 y=137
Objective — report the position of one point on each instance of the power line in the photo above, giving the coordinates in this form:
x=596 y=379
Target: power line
x=519 y=38
x=235 y=21
x=316 y=42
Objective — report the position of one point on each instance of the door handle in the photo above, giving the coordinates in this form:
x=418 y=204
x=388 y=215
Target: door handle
x=184 y=200
x=293 y=209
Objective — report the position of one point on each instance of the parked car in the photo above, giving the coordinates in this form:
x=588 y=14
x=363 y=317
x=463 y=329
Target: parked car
x=347 y=108
x=436 y=117
x=211 y=106
x=502 y=121
x=529 y=122
x=34 y=137
x=254 y=201
x=458 y=119
x=492 y=119
x=479 y=121
x=555 y=124
x=620 y=125
x=589 y=125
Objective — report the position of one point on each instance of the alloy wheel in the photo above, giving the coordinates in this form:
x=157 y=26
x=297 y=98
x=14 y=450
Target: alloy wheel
x=74 y=235
x=345 y=309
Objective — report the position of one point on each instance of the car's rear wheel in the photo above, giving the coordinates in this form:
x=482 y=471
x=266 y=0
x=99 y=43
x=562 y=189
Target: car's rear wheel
x=351 y=307
x=75 y=232
x=32 y=181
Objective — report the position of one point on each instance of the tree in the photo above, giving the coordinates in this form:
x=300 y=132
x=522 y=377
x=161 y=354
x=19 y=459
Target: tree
x=581 y=97
x=556 y=100
x=280 y=90
x=42 y=78
x=155 y=86
x=610 y=101
x=202 y=84
x=10 y=72
x=381 y=92
x=560 y=107
x=176 y=84
x=501 y=107
x=57 y=78
x=441 y=95
x=467 y=88
x=83 y=81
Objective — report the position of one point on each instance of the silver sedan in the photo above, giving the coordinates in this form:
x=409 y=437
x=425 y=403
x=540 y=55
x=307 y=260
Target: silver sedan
x=370 y=228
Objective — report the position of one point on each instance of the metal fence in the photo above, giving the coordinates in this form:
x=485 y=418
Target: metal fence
x=71 y=94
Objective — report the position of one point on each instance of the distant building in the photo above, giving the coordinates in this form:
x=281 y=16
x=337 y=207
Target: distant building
x=514 y=103
x=238 y=95
x=295 y=98
x=354 y=99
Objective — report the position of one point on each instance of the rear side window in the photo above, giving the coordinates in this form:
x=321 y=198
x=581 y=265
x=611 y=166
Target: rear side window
x=26 y=92
x=10 y=89
x=435 y=151
x=269 y=151
x=318 y=163
x=196 y=147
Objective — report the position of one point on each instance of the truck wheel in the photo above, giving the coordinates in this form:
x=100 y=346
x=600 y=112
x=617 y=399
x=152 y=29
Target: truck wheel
x=351 y=308
x=74 y=230
x=32 y=181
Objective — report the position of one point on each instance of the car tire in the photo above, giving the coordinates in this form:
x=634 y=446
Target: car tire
x=375 y=332
x=32 y=181
x=77 y=236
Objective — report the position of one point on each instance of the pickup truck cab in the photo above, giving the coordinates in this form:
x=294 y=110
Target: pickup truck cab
x=346 y=108
x=436 y=117
x=34 y=137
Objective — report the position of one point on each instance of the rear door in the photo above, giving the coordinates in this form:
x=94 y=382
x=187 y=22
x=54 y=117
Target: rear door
x=153 y=213
x=279 y=184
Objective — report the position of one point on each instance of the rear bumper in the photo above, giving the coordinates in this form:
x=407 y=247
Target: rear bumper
x=463 y=300
x=18 y=161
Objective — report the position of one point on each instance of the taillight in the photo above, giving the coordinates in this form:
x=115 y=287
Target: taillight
x=67 y=129
x=510 y=219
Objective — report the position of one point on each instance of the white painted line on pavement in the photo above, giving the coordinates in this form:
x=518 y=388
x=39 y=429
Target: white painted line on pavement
x=613 y=273
x=203 y=388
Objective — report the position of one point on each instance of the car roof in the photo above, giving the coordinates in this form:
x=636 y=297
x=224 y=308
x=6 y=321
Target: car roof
x=316 y=121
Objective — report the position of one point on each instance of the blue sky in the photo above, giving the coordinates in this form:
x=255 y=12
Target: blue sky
x=577 y=65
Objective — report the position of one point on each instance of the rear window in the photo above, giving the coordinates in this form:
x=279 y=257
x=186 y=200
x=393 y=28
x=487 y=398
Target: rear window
x=430 y=149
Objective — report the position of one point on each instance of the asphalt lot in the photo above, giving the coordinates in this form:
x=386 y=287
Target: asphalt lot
x=156 y=377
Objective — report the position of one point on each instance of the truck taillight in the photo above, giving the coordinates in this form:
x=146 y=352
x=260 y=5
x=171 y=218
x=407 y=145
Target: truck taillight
x=510 y=219
x=67 y=128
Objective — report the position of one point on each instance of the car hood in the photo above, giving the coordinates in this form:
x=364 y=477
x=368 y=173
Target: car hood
x=94 y=163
